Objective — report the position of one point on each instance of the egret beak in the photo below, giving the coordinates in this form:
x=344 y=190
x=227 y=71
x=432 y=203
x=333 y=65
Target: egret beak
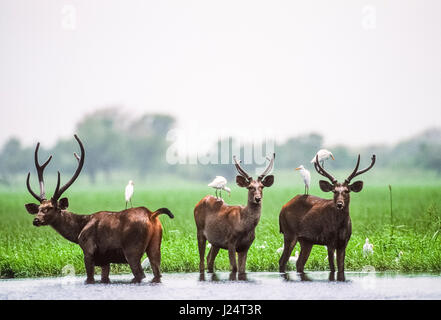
x=332 y=157
x=297 y=168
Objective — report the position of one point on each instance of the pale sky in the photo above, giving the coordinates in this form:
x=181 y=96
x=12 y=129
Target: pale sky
x=357 y=72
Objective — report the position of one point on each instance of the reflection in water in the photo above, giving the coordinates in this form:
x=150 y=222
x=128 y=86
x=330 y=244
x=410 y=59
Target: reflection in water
x=259 y=285
x=304 y=277
x=233 y=276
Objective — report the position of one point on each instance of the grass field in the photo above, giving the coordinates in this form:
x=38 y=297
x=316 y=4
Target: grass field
x=28 y=251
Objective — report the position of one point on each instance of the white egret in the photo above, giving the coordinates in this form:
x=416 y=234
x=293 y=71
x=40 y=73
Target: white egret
x=294 y=259
x=368 y=248
x=219 y=183
x=306 y=177
x=280 y=250
x=129 y=193
x=323 y=155
x=145 y=264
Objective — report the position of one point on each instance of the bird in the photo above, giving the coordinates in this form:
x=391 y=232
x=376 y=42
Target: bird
x=219 y=183
x=323 y=155
x=145 y=264
x=280 y=250
x=129 y=193
x=294 y=259
x=397 y=259
x=306 y=177
x=368 y=248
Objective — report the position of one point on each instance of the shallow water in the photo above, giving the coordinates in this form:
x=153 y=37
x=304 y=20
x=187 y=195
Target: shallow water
x=259 y=285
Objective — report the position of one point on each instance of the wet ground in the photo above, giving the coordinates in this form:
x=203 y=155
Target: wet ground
x=259 y=285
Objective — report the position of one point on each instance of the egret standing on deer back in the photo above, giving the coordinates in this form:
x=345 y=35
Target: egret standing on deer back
x=306 y=177
x=129 y=193
x=220 y=183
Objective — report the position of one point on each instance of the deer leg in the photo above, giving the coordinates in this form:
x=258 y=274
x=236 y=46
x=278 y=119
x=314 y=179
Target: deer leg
x=154 y=255
x=202 y=242
x=105 y=270
x=210 y=258
x=133 y=257
x=242 y=261
x=232 y=257
x=90 y=268
x=341 y=252
x=331 y=251
x=288 y=246
x=305 y=250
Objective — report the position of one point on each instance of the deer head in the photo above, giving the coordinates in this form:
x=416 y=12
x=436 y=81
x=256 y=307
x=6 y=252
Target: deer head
x=47 y=210
x=255 y=187
x=341 y=190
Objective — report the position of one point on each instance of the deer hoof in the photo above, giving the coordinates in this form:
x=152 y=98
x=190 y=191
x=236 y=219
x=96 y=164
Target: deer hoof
x=136 y=280
x=89 y=281
x=105 y=280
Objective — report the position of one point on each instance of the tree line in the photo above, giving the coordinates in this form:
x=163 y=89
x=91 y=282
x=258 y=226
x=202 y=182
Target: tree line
x=114 y=142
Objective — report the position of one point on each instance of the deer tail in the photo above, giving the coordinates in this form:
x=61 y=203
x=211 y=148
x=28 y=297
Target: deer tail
x=162 y=211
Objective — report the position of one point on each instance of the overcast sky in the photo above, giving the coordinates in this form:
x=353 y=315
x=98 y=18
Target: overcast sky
x=357 y=72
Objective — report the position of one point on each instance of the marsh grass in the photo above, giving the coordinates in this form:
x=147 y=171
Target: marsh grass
x=27 y=251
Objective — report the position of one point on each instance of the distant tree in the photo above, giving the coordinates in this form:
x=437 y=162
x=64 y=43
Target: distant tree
x=106 y=143
x=147 y=142
x=14 y=159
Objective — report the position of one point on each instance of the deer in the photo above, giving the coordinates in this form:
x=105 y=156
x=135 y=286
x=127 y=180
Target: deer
x=231 y=227
x=311 y=220
x=105 y=237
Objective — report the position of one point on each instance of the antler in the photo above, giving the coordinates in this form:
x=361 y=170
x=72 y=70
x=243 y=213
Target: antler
x=40 y=170
x=356 y=173
x=268 y=169
x=58 y=192
x=240 y=170
x=322 y=171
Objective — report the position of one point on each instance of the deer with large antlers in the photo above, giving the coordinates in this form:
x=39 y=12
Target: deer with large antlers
x=312 y=220
x=231 y=227
x=105 y=237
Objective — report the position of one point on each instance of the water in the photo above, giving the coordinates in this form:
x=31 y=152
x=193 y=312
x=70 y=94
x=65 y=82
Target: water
x=259 y=285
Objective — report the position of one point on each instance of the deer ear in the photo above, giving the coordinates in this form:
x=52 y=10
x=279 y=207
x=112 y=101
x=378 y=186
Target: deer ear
x=32 y=208
x=325 y=186
x=268 y=181
x=63 y=203
x=242 y=182
x=357 y=186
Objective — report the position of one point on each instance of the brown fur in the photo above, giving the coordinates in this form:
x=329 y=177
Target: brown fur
x=109 y=237
x=312 y=220
x=105 y=237
x=229 y=227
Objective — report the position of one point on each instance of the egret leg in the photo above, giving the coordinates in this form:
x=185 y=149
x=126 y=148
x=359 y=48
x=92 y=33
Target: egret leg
x=131 y=202
x=216 y=193
x=220 y=191
x=126 y=205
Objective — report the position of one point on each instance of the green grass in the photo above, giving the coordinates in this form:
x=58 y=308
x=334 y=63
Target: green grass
x=28 y=251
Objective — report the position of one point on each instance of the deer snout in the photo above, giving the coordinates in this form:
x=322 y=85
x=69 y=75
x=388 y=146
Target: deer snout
x=340 y=204
x=36 y=222
x=257 y=199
